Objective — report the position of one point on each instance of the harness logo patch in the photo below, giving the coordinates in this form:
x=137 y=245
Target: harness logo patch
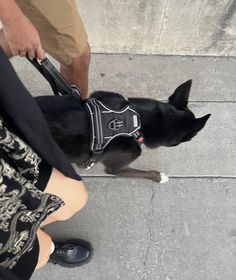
x=115 y=124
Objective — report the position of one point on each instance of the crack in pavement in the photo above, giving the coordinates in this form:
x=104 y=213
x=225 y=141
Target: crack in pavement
x=150 y=237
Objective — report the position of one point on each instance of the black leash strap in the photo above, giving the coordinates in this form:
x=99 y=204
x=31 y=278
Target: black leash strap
x=58 y=84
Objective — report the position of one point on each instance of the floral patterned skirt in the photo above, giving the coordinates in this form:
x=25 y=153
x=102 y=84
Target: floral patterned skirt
x=23 y=204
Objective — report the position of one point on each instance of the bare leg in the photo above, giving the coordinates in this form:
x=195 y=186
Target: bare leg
x=71 y=191
x=45 y=243
x=77 y=72
x=75 y=197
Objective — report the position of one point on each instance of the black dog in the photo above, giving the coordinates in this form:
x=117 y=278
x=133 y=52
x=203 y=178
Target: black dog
x=162 y=124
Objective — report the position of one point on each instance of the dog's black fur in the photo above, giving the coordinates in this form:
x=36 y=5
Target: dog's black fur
x=163 y=124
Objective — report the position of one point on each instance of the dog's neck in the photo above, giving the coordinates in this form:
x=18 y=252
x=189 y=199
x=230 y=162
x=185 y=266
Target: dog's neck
x=157 y=120
x=144 y=107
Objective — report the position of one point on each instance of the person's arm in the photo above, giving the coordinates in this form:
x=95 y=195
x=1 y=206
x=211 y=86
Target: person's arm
x=19 y=32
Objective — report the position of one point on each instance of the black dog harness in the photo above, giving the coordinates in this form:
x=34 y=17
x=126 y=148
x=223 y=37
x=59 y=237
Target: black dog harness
x=105 y=123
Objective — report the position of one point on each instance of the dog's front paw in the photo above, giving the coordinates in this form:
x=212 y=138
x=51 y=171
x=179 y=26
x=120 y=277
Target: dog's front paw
x=164 y=178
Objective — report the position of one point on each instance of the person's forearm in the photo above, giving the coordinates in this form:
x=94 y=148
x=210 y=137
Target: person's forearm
x=9 y=10
x=19 y=34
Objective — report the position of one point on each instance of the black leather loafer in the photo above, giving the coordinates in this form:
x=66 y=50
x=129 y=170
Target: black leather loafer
x=71 y=253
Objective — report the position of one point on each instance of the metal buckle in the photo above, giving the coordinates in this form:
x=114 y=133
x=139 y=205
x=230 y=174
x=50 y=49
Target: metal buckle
x=75 y=90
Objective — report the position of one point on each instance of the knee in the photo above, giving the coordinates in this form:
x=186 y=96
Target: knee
x=81 y=61
x=78 y=197
x=82 y=196
x=86 y=55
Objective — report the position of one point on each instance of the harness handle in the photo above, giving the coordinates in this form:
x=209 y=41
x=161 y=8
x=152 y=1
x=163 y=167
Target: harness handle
x=55 y=79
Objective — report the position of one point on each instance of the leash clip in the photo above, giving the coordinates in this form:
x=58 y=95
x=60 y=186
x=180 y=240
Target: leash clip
x=75 y=90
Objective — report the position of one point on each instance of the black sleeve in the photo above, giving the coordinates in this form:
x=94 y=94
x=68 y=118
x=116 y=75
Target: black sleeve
x=21 y=110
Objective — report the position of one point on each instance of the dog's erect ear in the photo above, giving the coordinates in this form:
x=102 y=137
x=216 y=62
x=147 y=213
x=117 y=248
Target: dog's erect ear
x=194 y=127
x=179 y=99
x=200 y=123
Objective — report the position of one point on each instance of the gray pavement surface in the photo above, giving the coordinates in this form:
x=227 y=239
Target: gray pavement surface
x=150 y=76
x=180 y=27
x=182 y=230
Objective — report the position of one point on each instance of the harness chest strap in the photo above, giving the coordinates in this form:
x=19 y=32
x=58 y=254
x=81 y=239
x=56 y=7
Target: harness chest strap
x=107 y=124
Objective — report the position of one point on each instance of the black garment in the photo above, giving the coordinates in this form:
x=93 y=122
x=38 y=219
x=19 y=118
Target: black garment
x=27 y=155
x=6 y=274
x=22 y=112
x=23 y=207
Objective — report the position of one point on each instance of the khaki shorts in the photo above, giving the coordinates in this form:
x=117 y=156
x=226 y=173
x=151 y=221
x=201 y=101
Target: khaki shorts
x=60 y=28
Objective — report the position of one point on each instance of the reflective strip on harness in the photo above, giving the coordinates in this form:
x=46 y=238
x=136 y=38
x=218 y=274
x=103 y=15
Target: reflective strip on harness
x=107 y=124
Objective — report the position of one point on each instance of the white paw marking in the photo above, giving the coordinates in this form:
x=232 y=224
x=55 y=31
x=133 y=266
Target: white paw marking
x=164 y=178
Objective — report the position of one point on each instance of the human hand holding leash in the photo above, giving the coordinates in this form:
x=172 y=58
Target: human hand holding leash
x=21 y=35
x=24 y=38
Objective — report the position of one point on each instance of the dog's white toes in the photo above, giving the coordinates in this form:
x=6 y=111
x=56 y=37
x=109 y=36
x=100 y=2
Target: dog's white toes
x=164 y=178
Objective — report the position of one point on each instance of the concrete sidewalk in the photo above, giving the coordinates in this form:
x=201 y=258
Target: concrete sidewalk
x=185 y=229
x=180 y=27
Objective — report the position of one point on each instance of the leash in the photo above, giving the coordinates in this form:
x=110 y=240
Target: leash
x=58 y=84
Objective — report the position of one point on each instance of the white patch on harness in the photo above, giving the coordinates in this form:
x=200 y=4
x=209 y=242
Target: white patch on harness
x=135 y=120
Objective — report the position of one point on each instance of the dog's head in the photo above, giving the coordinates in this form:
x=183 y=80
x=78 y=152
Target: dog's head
x=171 y=123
